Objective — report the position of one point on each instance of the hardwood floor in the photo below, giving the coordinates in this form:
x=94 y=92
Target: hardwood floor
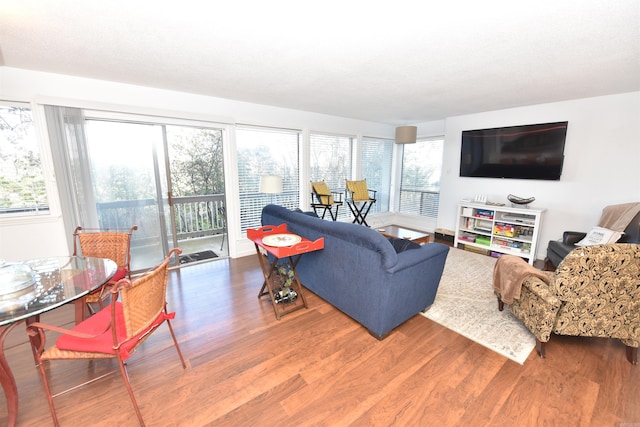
x=319 y=367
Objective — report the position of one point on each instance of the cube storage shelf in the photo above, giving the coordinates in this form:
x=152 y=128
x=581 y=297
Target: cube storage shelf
x=497 y=230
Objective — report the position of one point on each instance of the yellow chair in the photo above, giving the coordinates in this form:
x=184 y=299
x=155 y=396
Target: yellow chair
x=360 y=199
x=137 y=309
x=113 y=244
x=323 y=198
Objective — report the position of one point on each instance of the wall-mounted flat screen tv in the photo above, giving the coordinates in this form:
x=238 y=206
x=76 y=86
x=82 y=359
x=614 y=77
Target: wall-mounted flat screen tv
x=519 y=152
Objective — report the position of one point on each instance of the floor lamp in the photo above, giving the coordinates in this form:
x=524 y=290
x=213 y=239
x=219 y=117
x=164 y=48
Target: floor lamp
x=271 y=184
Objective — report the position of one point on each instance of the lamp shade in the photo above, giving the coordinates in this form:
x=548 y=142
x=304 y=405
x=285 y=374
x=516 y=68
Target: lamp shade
x=406 y=134
x=271 y=184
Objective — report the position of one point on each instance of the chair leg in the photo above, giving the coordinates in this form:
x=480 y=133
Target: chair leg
x=368 y=206
x=632 y=355
x=334 y=216
x=548 y=266
x=175 y=342
x=357 y=211
x=540 y=348
x=45 y=384
x=125 y=378
x=500 y=304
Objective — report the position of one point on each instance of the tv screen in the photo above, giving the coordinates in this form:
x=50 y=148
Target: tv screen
x=520 y=152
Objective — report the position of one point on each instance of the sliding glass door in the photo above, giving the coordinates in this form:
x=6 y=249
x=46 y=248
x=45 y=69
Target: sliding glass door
x=166 y=179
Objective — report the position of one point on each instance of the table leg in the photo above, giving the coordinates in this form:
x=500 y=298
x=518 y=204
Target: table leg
x=6 y=378
x=80 y=309
x=294 y=263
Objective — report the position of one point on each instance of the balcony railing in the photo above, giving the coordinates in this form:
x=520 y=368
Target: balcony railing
x=202 y=216
x=198 y=216
x=195 y=216
x=420 y=202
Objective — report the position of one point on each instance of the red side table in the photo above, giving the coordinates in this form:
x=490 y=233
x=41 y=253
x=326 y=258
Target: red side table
x=281 y=245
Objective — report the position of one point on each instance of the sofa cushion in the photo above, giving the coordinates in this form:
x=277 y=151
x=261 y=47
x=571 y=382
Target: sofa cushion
x=599 y=236
x=401 y=245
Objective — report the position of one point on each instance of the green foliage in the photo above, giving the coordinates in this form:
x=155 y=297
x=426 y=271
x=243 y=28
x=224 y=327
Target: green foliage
x=196 y=162
x=22 y=183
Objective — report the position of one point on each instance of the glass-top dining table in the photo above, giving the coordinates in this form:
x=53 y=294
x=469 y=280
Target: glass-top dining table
x=31 y=288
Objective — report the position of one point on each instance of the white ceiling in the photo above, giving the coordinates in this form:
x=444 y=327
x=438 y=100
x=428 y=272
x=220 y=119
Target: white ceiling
x=394 y=62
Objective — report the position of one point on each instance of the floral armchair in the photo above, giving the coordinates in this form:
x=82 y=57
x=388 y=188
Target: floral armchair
x=595 y=292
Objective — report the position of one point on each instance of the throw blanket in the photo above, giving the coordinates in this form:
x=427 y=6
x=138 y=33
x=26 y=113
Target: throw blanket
x=508 y=275
x=618 y=217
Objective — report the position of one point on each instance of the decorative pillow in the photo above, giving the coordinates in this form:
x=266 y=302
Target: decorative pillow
x=359 y=189
x=401 y=245
x=323 y=192
x=599 y=236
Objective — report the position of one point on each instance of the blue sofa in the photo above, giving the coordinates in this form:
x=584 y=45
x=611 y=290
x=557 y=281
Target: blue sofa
x=359 y=271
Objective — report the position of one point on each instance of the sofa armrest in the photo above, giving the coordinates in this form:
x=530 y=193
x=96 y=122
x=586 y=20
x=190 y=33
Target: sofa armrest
x=542 y=291
x=572 y=237
x=537 y=307
x=411 y=257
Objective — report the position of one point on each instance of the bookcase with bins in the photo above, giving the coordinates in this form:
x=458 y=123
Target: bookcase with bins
x=496 y=230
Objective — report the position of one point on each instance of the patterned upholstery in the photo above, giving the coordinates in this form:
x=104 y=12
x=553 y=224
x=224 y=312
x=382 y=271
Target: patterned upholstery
x=595 y=292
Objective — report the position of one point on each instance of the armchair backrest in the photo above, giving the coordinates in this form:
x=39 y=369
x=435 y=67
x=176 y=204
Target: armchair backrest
x=632 y=232
x=600 y=281
x=624 y=217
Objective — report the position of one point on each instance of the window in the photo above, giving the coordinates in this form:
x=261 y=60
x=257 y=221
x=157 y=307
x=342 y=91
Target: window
x=330 y=160
x=22 y=185
x=266 y=151
x=420 y=178
x=377 y=160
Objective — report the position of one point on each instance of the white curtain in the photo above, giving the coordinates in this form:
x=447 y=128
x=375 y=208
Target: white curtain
x=71 y=163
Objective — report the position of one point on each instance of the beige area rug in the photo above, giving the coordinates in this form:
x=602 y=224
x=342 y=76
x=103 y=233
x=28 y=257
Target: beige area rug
x=466 y=304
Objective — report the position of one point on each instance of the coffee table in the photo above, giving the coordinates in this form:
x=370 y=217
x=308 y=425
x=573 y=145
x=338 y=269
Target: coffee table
x=397 y=232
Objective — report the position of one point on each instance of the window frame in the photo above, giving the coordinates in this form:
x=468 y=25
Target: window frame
x=437 y=138
x=46 y=164
x=335 y=184
x=289 y=183
x=383 y=195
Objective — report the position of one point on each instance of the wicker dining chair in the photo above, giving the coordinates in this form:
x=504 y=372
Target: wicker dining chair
x=137 y=309
x=114 y=244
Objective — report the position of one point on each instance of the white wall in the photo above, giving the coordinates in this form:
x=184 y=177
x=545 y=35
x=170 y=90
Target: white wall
x=601 y=164
x=32 y=238
x=602 y=153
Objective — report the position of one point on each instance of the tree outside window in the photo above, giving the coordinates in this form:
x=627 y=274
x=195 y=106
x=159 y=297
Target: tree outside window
x=266 y=151
x=420 y=179
x=22 y=185
x=330 y=161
